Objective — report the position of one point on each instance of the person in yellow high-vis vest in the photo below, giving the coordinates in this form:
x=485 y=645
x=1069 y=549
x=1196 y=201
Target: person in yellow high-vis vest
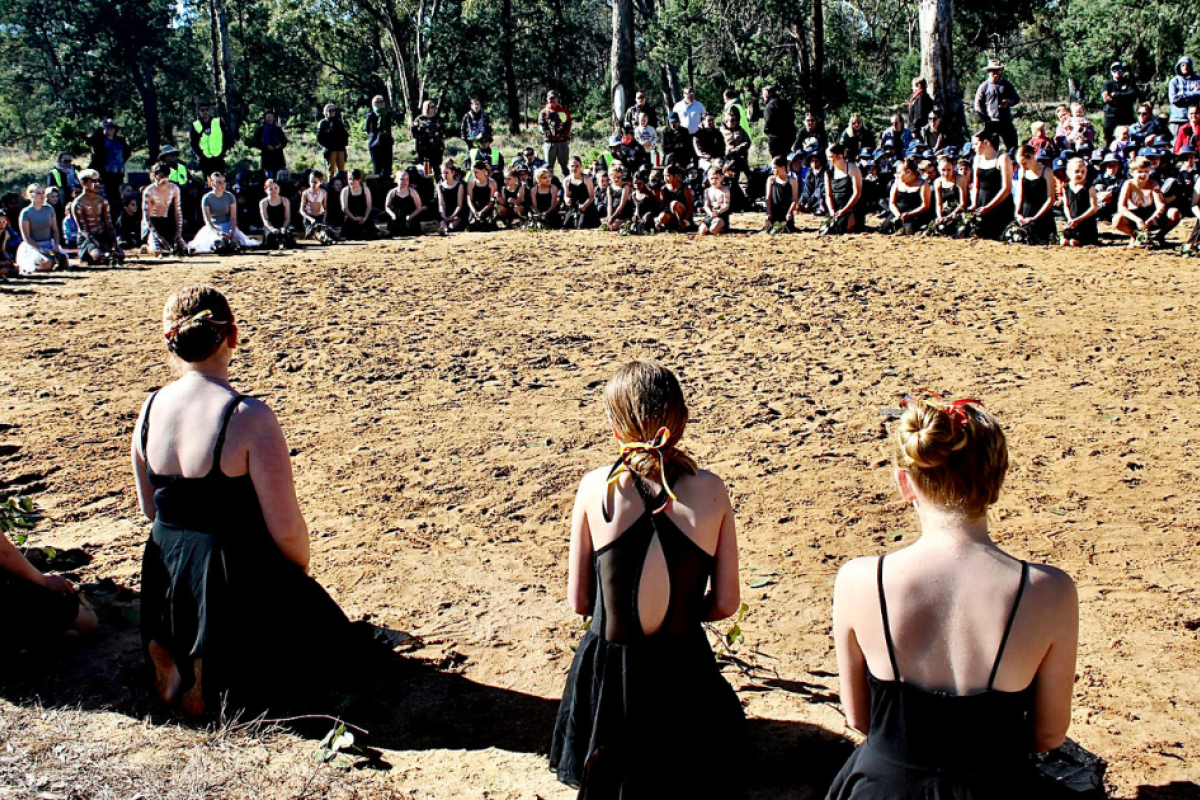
x=208 y=141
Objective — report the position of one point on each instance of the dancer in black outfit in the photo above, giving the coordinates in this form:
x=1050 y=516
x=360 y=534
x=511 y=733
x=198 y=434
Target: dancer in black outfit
x=1036 y=191
x=992 y=190
x=403 y=207
x=226 y=601
x=357 y=206
x=544 y=199
x=580 y=198
x=783 y=195
x=646 y=712
x=1081 y=207
x=481 y=198
x=959 y=719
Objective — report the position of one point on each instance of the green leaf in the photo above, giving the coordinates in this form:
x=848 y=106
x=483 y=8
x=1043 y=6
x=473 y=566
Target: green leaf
x=1062 y=512
x=26 y=503
x=741 y=615
x=21 y=539
x=734 y=636
x=50 y=552
x=759 y=583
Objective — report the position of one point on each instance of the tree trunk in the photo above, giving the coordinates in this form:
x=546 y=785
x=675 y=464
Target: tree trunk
x=1073 y=92
x=621 y=61
x=816 y=90
x=937 y=60
x=229 y=96
x=510 y=73
x=143 y=81
x=214 y=33
x=669 y=76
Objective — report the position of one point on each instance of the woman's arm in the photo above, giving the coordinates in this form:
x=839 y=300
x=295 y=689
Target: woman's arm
x=233 y=207
x=856 y=180
x=833 y=210
x=926 y=200
x=579 y=561
x=369 y=205
x=726 y=596
x=287 y=214
x=206 y=212
x=270 y=470
x=591 y=200
x=1055 y=679
x=493 y=190
x=892 y=200
x=441 y=198
x=262 y=214
x=471 y=197
x=1051 y=189
x=975 y=184
x=849 y=589
x=795 y=198
x=418 y=207
x=1018 y=196
x=387 y=203
x=346 y=205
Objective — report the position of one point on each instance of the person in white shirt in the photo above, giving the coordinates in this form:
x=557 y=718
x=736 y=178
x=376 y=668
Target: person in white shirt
x=644 y=134
x=690 y=110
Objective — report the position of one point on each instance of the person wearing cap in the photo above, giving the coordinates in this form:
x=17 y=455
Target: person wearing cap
x=269 y=139
x=1183 y=92
x=98 y=241
x=640 y=106
x=110 y=151
x=555 y=122
x=62 y=175
x=334 y=139
x=176 y=172
x=1189 y=132
x=677 y=147
x=690 y=110
x=1120 y=96
x=208 y=141
x=779 y=122
x=811 y=136
x=994 y=100
x=429 y=138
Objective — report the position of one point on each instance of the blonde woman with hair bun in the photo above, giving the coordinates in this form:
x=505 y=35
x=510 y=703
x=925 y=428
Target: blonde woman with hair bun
x=646 y=712
x=957 y=660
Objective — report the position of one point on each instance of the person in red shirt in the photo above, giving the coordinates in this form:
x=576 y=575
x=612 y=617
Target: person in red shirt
x=1189 y=133
x=555 y=122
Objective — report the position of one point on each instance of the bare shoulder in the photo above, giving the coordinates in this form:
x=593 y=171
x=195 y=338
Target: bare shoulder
x=710 y=485
x=856 y=570
x=1052 y=586
x=592 y=481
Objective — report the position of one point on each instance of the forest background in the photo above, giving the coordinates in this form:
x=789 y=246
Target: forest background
x=72 y=63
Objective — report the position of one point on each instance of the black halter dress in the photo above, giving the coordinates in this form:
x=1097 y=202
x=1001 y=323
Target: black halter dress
x=991 y=183
x=1033 y=196
x=216 y=588
x=1078 y=202
x=647 y=715
x=930 y=745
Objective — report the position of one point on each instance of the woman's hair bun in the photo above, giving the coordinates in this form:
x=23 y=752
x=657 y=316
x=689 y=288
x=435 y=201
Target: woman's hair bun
x=929 y=436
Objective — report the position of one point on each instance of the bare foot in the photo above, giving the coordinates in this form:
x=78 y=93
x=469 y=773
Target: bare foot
x=193 y=701
x=166 y=675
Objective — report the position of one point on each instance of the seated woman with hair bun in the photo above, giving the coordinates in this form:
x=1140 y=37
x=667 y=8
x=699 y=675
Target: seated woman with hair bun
x=957 y=659
x=227 y=604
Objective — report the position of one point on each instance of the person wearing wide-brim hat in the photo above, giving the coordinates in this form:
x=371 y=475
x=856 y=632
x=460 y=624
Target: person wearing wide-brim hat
x=1120 y=96
x=994 y=100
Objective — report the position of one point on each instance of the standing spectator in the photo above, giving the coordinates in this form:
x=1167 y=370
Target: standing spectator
x=779 y=123
x=1120 y=95
x=690 y=111
x=1183 y=92
x=555 y=122
x=994 y=100
x=334 y=138
x=676 y=143
x=476 y=124
x=733 y=100
x=857 y=138
x=109 y=154
x=62 y=176
x=379 y=136
x=1147 y=126
x=208 y=140
x=640 y=106
x=920 y=105
x=429 y=137
x=1190 y=132
x=737 y=147
x=269 y=139
x=812 y=136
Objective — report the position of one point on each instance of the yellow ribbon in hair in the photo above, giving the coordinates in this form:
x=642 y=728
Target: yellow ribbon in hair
x=654 y=445
x=183 y=323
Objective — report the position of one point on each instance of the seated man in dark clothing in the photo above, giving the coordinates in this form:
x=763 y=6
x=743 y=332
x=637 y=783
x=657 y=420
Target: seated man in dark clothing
x=709 y=143
x=676 y=143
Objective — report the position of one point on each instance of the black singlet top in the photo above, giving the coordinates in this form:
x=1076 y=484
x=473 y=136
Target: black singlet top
x=1033 y=193
x=949 y=197
x=908 y=201
x=208 y=504
x=538 y=197
x=402 y=205
x=357 y=204
x=481 y=195
x=510 y=196
x=909 y=724
x=670 y=196
x=450 y=197
x=1079 y=202
x=577 y=193
x=843 y=190
x=614 y=201
x=990 y=182
x=781 y=197
x=646 y=204
x=276 y=214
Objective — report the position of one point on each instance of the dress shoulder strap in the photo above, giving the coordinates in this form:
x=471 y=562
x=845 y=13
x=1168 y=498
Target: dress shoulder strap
x=1012 y=617
x=887 y=626
x=220 y=446
x=146 y=423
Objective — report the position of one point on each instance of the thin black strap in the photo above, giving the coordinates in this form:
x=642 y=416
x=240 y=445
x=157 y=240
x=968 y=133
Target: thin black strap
x=1012 y=617
x=146 y=424
x=650 y=502
x=887 y=626
x=216 y=465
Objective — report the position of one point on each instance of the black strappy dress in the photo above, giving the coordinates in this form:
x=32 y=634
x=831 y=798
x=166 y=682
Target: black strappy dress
x=1033 y=196
x=216 y=587
x=929 y=745
x=647 y=716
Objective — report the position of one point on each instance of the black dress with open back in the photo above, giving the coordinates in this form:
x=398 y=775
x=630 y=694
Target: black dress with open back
x=216 y=588
x=932 y=745
x=647 y=715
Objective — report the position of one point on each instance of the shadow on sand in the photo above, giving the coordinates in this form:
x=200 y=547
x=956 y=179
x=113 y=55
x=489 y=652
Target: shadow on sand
x=406 y=703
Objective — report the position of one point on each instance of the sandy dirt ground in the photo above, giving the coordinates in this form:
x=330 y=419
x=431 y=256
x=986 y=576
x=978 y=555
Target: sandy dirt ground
x=442 y=399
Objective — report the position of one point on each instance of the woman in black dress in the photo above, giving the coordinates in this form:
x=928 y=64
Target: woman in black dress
x=1036 y=191
x=452 y=200
x=276 y=213
x=543 y=199
x=580 y=198
x=227 y=604
x=911 y=199
x=1080 y=207
x=511 y=203
x=403 y=207
x=481 y=198
x=843 y=192
x=646 y=712
x=957 y=660
x=991 y=193
x=619 y=202
x=357 y=207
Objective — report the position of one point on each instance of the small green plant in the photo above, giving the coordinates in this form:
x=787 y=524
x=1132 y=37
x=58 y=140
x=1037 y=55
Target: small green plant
x=21 y=515
x=730 y=639
x=969 y=227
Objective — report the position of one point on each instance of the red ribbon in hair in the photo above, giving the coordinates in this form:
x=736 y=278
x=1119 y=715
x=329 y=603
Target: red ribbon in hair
x=956 y=411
